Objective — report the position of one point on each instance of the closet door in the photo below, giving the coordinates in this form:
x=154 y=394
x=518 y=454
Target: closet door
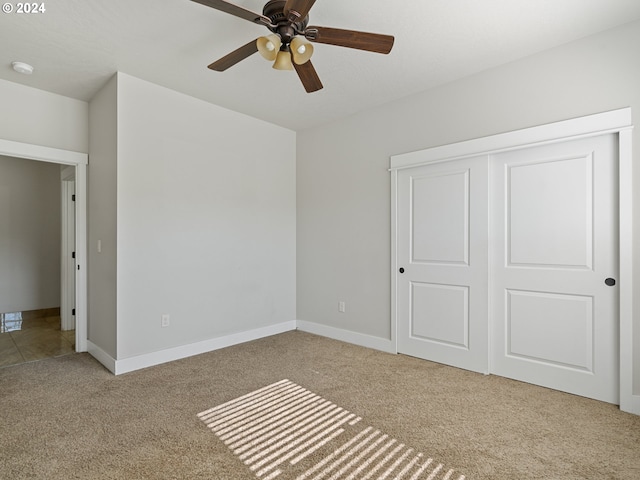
x=554 y=267
x=441 y=257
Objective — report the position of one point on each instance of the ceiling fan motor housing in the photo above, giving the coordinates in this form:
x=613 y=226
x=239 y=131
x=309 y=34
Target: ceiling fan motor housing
x=274 y=9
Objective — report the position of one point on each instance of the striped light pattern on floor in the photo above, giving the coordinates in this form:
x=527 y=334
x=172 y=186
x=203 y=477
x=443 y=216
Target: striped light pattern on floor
x=287 y=432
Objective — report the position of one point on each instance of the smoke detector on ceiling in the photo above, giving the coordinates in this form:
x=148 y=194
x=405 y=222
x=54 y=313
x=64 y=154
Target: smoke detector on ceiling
x=22 y=67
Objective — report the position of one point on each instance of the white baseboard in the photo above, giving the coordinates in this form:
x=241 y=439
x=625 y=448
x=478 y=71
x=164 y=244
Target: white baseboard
x=361 y=339
x=103 y=357
x=138 y=362
x=630 y=404
x=176 y=353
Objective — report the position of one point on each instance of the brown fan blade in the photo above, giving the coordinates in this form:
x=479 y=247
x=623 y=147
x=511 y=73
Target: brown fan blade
x=297 y=9
x=234 y=57
x=308 y=76
x=235 y=10
x=371 y=42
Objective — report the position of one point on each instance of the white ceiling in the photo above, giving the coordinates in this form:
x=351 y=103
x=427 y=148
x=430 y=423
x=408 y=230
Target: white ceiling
x=77 y=45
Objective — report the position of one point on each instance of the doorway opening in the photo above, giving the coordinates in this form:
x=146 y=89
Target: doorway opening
x=32 y=292
x=73 y=166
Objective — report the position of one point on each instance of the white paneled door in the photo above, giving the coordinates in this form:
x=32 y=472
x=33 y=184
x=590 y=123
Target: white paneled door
x=507 y=264
x=554 y=267
x=442 y=263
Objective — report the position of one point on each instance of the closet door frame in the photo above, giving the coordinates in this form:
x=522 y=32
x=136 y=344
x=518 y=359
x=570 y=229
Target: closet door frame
x=617 y=122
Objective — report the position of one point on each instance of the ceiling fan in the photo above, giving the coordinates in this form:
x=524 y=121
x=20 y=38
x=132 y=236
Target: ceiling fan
x=288 y=44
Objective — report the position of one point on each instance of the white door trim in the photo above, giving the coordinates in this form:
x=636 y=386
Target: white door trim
x=616 y=121
x=80 y=161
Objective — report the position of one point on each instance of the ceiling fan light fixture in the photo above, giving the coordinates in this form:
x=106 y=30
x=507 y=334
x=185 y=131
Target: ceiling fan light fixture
x=283 y=60
x=269 y=46
x=301 y=50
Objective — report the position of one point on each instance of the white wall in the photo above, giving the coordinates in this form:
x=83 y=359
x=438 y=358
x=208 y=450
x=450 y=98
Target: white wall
x=343 y=185
x=205 y=220
x=29 y=235
x=102 y=222
x=37 y=117
x=194 y=206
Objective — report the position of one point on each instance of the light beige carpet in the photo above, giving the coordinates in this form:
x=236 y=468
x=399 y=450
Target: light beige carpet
x=284 y=431
x=68 y=417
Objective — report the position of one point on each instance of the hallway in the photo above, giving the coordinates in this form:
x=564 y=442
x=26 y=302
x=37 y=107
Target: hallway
x=30 y=336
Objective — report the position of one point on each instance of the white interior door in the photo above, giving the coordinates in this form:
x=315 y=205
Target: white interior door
x=441 y=257
x=555 y=244
x=68 y=266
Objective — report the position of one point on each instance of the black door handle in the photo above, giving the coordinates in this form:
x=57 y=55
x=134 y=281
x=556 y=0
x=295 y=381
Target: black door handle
x=401 y=270
x=610 y=282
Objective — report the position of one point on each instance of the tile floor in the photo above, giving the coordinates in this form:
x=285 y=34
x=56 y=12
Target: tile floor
x=28 y=337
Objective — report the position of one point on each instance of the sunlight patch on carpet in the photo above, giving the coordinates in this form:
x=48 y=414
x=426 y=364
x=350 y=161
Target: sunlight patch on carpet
x=286 y=432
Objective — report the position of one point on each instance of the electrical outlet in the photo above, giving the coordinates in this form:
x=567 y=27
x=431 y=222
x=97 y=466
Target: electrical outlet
x=165 y=320
x=341 y=307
